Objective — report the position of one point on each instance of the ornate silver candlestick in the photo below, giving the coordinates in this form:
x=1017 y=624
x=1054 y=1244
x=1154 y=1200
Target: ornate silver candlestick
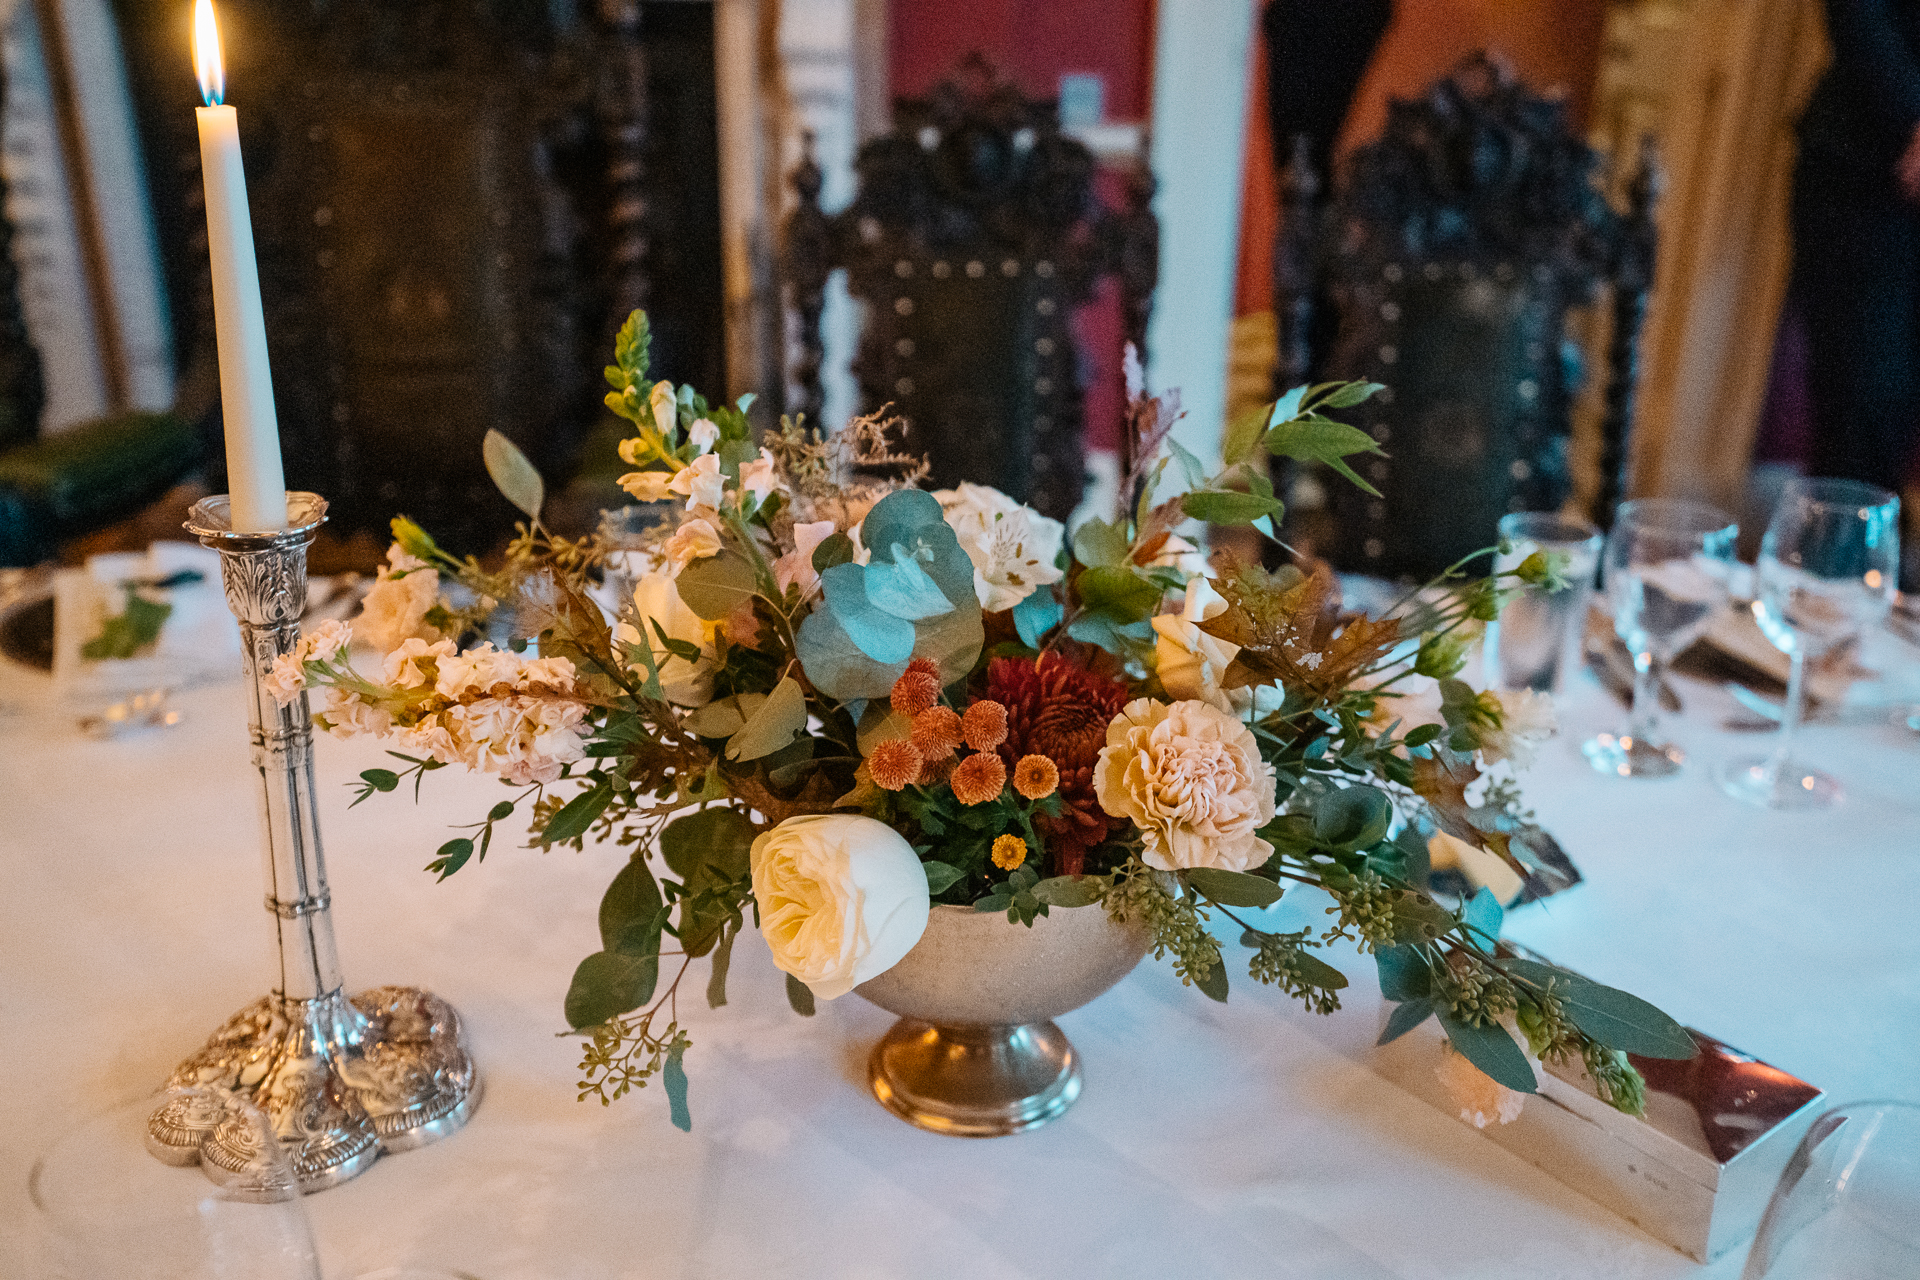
x=340 y=1080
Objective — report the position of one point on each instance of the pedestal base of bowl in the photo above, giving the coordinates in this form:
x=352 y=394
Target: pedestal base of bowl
x=975 y=1082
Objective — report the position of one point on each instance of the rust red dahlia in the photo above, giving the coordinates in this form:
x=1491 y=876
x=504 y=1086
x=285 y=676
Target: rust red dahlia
x=1058 y=709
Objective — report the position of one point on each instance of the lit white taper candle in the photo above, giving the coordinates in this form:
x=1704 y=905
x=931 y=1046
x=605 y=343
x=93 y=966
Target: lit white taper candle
x=254 y=475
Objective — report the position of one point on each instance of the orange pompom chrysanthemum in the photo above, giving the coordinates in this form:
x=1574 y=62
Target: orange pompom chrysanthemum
x=917 y=688
x=936 y=732
x=985 y=725
x=1036 y=777
x=894 y=764
x=979 y=779
x=935 y=772
x=1009 y=852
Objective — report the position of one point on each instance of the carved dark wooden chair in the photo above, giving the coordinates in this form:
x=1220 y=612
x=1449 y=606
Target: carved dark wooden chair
x=452 y=205
x=974 y=233
x=1445 y=269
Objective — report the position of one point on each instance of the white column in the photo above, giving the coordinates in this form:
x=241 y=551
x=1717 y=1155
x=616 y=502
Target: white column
x=1200 y=62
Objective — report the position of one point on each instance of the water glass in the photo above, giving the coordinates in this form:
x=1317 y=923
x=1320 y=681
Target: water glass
x=624 y=532
x=1666 y=568
x=1848 y=1205
x=1827 y=571
x=1537 y=628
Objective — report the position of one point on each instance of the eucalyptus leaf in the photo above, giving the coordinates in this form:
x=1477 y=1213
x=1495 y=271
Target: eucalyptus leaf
x=1287 y=407
x=941 y=876
x=1404 y=974
x=881 y=636
x=577 y=816
x=1352 y=817
x=715 y=586
x=1214 y=985
x=1348 y=394
x=725 y=717
x=834 y=549
x=1325 y=441
x=673 y=1078
x=512 y=474
x=1404 y=1018
x=1492 y=1050
x=1068 y=891
x=773 y=725
x=1097 y=544
x=608 y=984
x=1038 y=614
x=799 y=996
x=1318 y=972
x=1484 y=914
x=719 y=838
x=633 y=896
x=902 y=588
x=1234 y=888
x=1615 y=1018
x=722 y=957
x=1229 y=506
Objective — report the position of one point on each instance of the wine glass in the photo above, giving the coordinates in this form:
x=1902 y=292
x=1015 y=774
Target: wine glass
x=113 y=1208
x=1828 y=567
x=1848 y=1205
x=1666 y=566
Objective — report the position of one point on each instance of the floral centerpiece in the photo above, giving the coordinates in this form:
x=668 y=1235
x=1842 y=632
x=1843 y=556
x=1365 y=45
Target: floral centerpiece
x=833 y=700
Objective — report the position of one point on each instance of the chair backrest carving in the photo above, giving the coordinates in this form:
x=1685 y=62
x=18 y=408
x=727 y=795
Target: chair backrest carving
x=974 y=233
x=1448 y=263
x=451 y=205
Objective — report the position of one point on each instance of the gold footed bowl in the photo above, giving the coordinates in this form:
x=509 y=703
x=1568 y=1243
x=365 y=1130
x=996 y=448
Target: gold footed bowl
x=975 y=1053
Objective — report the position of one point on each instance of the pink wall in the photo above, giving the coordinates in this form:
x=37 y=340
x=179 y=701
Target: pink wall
x=1034 y=41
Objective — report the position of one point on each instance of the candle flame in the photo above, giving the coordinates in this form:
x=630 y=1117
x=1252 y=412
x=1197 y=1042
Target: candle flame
x=206 y=54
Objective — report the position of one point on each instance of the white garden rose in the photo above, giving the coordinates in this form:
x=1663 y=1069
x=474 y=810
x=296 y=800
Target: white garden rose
x=842 y=898
x=1190 y=777
x=657 y=599
x=1190 y=662
x=1013 y=548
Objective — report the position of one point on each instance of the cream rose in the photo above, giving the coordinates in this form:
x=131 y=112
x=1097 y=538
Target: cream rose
x=1191 y=778
x=657 y=599
x=842 y=898
x=1190 y=662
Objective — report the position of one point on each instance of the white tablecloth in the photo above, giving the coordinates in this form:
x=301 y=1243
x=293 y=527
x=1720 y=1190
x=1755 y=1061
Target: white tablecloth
x=1211 y=1141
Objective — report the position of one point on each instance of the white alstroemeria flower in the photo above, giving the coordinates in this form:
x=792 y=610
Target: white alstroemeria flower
x=1526 y=720
x=1190 y=662
x=695 y=540
x=760 y=477
x=1013 y=547
x=797 y=565
x=702 y=484
x=705 y=433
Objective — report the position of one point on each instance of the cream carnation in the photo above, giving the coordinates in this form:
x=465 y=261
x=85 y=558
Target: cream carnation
x=842 y=898
x=396 y=605
x=1190 y=777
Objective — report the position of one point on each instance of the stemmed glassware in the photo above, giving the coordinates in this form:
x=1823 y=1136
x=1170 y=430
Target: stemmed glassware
x=1848 y=1205
x=1667 y=564
x=1828 y=568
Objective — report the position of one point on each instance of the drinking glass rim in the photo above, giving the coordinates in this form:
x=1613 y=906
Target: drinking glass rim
x=1580 y=530
x=1837 y=494
x=1682 y=516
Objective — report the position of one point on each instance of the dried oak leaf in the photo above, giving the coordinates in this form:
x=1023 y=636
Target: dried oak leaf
x=1442 y=781
x=1289 y=628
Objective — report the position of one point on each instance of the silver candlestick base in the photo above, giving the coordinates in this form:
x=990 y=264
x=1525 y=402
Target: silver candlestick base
x=340 y=1080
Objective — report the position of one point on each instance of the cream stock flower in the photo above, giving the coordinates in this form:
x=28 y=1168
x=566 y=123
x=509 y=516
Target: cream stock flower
x=696 y=539
x=324 y=643
x=797 y=565
x=1190 y=662
x=701 y=482
x=760 y=477
x=402 y=666
x=395 y=608
x=345 y=716
x=648 y=486
x=842 y=898
x=656 y=599
x=1190 y=777
x=1012 y=547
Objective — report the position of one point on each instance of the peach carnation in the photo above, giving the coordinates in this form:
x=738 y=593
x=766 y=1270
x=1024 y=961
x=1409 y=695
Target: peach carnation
x=979 y=779
x=1036 y=777
x=894 y=764
x=1190 y=777
x=985 y=725
x=936 y=731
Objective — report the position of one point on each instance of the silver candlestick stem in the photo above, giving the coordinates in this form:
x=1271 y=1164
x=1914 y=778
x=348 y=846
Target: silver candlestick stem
x=340 y=1080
